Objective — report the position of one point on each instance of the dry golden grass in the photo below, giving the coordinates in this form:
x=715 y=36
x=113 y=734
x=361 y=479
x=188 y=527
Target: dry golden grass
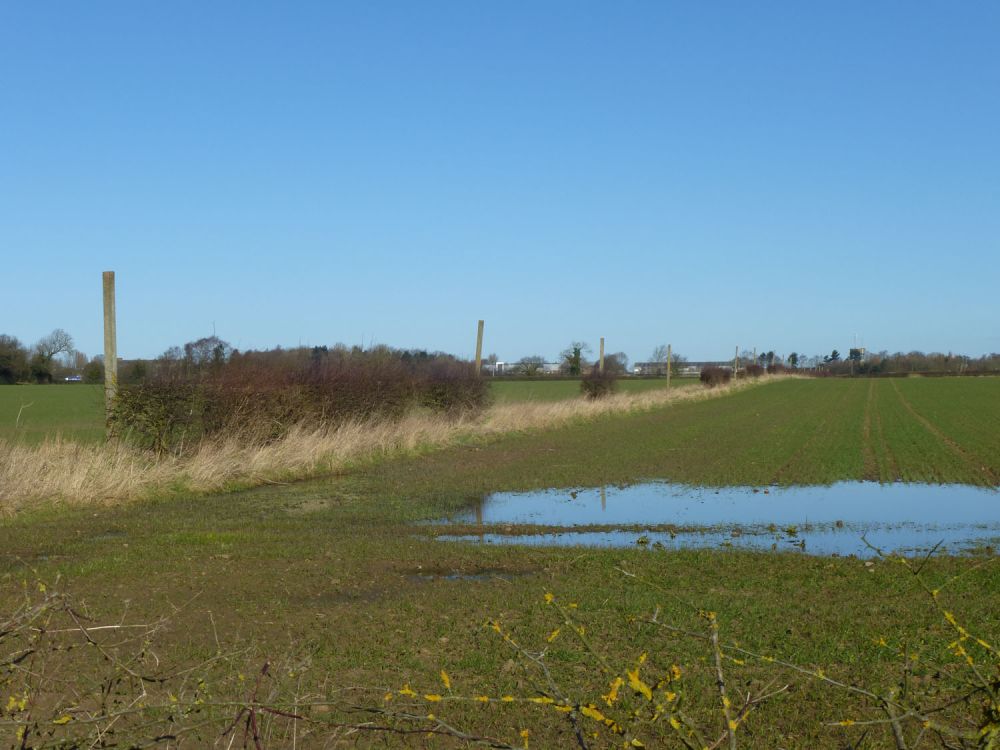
x=112 y=473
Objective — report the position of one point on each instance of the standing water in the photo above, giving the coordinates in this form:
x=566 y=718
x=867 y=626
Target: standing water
x=905 y=518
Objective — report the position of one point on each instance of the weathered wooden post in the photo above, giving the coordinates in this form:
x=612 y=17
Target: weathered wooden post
x=668 y=366
x=110 y=344
x=600 y=366
x=479 y=350
x=736 y=361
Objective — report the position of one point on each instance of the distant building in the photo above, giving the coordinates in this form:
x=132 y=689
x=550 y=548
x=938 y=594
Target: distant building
x=497 y=368
x=650 y=368
x=682 y=369
x=514 y=368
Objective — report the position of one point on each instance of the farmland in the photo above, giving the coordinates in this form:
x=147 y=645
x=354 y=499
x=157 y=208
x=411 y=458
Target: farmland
x=330 y=580
x=794 y=432
x=32 y=413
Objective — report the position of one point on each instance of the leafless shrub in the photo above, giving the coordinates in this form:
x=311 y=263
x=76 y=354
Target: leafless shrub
x=714 y=376
x=597 y=384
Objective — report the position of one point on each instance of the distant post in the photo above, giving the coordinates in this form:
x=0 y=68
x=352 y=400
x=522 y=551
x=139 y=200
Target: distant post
x=479 y=350
x=668 y=366
x=736 y=361
x=601 y=365
x=110 y=343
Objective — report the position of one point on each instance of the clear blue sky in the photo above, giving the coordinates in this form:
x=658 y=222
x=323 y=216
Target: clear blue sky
x=779 y=174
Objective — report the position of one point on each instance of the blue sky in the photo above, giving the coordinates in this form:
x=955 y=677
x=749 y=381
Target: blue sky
x=774 y=175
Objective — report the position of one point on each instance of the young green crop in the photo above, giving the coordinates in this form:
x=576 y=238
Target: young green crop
x=33 y=413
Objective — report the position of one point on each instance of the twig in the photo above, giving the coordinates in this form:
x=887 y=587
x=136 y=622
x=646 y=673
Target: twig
x=17 y=421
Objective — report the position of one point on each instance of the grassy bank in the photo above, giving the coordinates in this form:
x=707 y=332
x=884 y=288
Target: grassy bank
x=514 y=391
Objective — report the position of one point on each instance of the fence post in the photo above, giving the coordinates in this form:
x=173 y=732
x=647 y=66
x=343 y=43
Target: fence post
x=601 y=365
x=668 y=366
x=110 y=344
x=479 y=350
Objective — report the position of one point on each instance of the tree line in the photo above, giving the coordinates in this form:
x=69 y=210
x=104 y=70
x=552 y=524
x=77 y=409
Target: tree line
x=577 y=359
x=858 y=361
x=53 y=357
x=50 y=357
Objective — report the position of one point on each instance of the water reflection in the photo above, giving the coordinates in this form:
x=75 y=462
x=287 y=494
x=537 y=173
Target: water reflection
x=820 y=520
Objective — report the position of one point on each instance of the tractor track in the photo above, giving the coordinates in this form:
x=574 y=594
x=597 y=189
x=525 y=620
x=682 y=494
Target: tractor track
x=949 y=443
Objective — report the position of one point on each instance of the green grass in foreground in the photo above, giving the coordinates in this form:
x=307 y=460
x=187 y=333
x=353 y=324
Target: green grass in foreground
x=513 y=391
x=72 y=411
x=332 y=570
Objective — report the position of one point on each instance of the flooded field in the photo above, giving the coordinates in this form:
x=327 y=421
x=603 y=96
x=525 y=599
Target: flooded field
x=825 y=520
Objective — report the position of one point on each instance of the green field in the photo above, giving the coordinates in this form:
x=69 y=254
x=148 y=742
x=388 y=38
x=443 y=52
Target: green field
x=331 y=581
x=794 y=432
x=73 y=411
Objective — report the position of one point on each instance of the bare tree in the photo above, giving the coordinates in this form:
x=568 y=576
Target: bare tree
x=530 y=365
x=616 y=363
x=660 y=356
x=55 y=343
x=210 y=350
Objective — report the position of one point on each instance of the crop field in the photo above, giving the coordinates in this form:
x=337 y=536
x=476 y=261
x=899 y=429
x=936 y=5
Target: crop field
x=334 y=583
x=795 y=432
x=34 y=412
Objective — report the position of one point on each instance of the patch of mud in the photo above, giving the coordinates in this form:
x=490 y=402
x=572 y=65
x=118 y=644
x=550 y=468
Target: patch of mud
x=423 y=575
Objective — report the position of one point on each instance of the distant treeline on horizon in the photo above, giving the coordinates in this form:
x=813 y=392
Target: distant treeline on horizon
x=53 y=359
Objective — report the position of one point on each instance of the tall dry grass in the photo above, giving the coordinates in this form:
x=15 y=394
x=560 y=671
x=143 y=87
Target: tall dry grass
x=114 y=472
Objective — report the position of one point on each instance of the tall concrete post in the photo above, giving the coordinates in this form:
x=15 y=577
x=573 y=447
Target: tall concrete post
x=600 y=366
x=668 y=366
x=479 y=350
x=736 y=361
x=110 y=343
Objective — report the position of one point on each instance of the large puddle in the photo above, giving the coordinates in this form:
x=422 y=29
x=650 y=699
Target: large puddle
x=828 y=520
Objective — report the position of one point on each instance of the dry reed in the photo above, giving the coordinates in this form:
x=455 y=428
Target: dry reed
x=111 y=473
